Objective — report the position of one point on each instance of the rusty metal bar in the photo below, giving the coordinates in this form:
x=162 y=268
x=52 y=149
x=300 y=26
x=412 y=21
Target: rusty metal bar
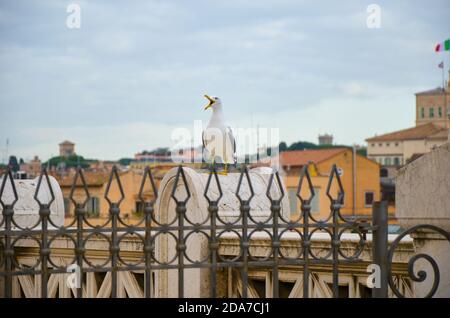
x=8 y=214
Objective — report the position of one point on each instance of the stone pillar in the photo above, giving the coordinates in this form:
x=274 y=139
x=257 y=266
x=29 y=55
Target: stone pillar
x=26 y=210
x=196 y=281
x=423 y=197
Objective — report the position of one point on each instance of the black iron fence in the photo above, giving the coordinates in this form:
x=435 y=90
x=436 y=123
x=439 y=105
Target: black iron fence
x=45 y=231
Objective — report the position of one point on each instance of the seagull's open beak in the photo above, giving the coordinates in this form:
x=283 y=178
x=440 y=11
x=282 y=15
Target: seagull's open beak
x=211 y=101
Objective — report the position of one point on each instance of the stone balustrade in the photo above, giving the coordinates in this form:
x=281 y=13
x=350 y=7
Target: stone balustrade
x=352 y=277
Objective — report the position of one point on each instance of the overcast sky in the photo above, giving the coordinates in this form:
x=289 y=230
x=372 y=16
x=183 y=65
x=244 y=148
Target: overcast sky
x=135 y=70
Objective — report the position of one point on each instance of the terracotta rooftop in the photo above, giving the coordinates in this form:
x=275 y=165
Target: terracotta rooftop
x=418 y=132
x=443 y=134
x=66 y=142
x=434 y=91
x=302 y=157
x=92 y=179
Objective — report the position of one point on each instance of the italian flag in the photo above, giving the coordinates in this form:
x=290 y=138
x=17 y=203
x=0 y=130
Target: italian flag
x=444 y=46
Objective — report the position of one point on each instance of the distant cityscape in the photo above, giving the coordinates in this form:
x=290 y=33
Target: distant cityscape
x=368 y=172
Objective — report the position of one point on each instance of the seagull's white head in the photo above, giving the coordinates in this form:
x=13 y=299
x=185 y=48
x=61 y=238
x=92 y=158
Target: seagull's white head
x=214 y=102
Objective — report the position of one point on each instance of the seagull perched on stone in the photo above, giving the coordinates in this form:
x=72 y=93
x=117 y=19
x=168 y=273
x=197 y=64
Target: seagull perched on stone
x=219 y=145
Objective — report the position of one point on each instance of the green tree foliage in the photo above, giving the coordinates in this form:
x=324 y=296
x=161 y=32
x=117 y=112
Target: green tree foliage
x=125 y=161
x=305 y=145
x=157 y=151
x=283 y=146
x=69 y=162
x=302 y=145
x=13 y=163
x=362 y=152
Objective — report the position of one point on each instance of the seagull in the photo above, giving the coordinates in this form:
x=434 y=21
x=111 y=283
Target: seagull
x=218 y=141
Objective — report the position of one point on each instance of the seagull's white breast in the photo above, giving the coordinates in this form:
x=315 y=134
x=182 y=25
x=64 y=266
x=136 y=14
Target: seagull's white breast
x=218 y=140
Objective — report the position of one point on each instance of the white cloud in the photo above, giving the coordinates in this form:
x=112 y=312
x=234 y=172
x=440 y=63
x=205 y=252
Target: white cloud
x=133 y=69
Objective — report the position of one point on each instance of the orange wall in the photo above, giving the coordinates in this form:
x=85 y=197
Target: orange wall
x=320 y=187
x=367 y=179
x=131 y=183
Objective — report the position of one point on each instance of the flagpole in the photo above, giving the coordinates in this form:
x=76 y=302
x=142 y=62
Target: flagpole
x=443 y=79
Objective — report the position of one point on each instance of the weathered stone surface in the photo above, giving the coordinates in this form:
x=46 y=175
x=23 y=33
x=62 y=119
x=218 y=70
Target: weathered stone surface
x=423 y=190
x=423 y=197
x=26 y=210
x=435 y=246
x=196 y=281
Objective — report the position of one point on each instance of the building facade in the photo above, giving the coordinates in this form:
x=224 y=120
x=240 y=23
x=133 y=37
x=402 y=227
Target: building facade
x=97 y=207
x=394 y=150
x=325 y=139
x=32 y=168
x=431 y=130
x=398 y=148
x=360 y=178
x=66 y=149
x=433 y=106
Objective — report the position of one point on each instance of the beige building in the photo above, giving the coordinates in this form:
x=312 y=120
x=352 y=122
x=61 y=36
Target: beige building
x=66 y=149
x=32 y=168
x=397 y=148
x=431 y=130
x=99 y=166
x=433 y=106
x=325 y=139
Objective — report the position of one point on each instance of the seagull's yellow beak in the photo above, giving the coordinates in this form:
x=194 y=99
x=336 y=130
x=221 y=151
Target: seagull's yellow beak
x=211 y=102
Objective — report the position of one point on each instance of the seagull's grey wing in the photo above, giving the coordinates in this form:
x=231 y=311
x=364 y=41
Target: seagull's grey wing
x=230 y=135
x=203 y=139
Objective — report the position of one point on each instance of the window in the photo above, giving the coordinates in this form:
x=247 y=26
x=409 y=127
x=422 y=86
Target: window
x=440 y=111
x=368 y=198
x=93 y=207
x=285 y=289
x=343 y=290
x=388 y=144
x=387 y=161
x=260 y=286
x=380 y=144
x=431 y=112
x=383 y=172
x=315 y=202
x=139 y=206
x=396 y=161
x=396 y=144
x=364 y=291
x=422 y=112
x=373 y=145
x=292 y=194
